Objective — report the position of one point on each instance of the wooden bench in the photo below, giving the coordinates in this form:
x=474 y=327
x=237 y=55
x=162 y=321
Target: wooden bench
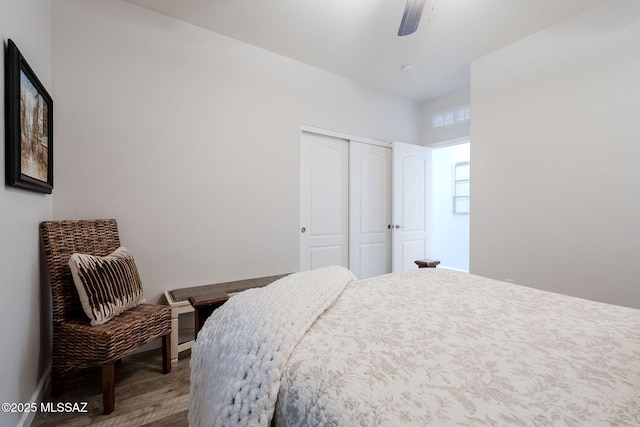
x=427 y=263
x=206 y=298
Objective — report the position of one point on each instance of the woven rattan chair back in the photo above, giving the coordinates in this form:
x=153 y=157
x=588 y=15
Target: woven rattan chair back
x=60 y=240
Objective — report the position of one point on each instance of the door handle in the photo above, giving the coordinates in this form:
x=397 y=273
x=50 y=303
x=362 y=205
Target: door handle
x=397 y=226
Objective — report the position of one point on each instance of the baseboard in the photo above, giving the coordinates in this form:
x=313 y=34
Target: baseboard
x=36 y=398
x=444 y=267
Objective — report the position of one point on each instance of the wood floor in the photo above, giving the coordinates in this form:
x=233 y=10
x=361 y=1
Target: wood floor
x=144 y=396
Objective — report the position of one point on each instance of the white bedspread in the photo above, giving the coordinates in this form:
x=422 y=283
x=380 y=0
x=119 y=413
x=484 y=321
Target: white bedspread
x=430 y=347
x=238 y=358
x=434 y=347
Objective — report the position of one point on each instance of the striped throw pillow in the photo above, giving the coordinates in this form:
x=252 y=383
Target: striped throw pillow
x=108 y=285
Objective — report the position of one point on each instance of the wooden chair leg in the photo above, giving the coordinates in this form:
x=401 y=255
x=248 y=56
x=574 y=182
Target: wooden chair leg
x=57 y=385
x=166 y=354
x=108 y=387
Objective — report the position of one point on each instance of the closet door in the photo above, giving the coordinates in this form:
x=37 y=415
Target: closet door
x=324 y=198
x=369 y=209
x=411 y=205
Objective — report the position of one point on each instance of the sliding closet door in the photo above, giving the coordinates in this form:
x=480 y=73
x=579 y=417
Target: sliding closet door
x=324 y=196
x=370 y=209
x=363 y=206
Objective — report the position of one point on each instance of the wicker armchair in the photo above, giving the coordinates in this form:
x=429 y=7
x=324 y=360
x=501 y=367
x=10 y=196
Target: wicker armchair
x=77 y=344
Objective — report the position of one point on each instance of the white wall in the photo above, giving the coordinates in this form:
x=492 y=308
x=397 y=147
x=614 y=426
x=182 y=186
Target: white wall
x=24 y=305
x=191 y=139
x=555 y=158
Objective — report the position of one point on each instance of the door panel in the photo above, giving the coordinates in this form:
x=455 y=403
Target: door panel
x=413 y=194
x=324 y=256
x=370 y=209
x=324 y=189
x=374 y=259
x=411 y=184
x=412 y=250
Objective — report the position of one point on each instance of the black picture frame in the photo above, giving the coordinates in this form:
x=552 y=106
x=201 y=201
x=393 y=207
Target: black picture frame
x=28 y=126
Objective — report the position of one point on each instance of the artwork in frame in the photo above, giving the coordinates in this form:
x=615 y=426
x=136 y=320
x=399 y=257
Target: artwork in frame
x=29 y=126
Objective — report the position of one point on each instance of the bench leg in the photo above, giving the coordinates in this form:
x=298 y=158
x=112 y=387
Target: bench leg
x=174 y=336
x=166 y=353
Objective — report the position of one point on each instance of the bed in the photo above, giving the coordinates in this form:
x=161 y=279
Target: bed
x=428 y=347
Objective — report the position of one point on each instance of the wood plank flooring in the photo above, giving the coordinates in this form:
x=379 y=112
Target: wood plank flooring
x=144 y=396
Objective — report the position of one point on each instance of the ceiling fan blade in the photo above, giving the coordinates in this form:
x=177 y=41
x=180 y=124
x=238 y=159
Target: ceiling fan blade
x=411 y=17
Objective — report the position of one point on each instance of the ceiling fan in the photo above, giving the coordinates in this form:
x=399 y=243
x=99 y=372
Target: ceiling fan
x=411 y=17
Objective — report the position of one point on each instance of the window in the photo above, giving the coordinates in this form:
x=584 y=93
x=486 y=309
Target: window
x=461 y=190
x=451 y=117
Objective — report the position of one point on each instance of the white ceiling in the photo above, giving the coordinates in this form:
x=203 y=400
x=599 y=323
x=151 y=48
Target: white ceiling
x=358 y=38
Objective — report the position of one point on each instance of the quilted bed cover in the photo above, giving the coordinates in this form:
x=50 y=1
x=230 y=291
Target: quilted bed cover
x=435 y=347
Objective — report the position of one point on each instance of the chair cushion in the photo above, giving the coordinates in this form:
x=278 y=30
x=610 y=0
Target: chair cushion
x=107 y=285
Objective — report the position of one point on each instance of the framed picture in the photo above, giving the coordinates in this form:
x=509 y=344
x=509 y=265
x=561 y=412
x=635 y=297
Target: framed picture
x=29 y=126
